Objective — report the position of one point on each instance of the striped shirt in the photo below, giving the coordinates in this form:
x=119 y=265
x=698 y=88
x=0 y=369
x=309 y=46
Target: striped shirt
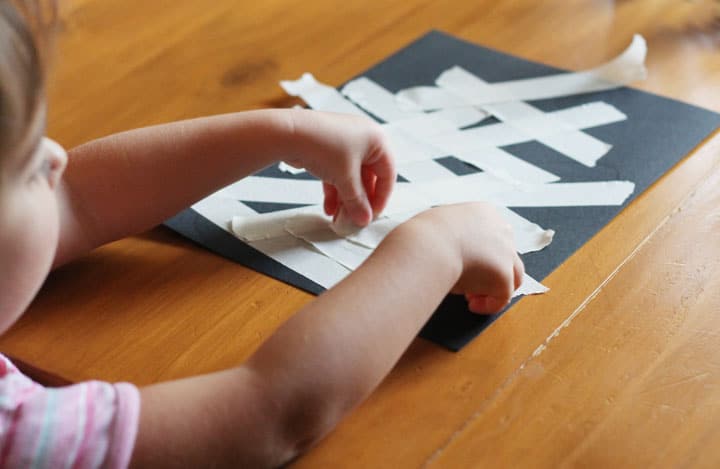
x=85 y=425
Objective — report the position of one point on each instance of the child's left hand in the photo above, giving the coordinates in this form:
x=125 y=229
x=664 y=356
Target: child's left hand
x=351 y=156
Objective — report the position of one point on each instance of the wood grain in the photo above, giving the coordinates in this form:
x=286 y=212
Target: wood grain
x=617 y=365
x=628 y=379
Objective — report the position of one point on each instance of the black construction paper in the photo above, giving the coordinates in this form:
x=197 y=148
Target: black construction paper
x=658 y=133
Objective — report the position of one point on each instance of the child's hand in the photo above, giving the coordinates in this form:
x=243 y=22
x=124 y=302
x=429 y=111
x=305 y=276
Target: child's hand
x=351 y=156
x=483 y=242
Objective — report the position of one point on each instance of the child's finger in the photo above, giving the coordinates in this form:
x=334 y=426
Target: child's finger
x=369 y=180
x=342 y=225
x=354 y=201
x=484 y=304
x=384 y=170
x=331 y=202
x=478 y=304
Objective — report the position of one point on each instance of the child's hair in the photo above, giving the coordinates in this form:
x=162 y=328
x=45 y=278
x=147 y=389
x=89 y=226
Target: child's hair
x=25 y=31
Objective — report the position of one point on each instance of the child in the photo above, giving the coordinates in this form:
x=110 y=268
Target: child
x=318 y=366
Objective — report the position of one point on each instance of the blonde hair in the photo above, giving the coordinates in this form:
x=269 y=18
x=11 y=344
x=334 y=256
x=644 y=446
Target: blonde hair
x=25 y=31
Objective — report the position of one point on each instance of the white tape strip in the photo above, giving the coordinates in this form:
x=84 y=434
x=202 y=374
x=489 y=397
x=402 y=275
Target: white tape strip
x=301 y=224
x=405 y=126
x=506 y=166
x=429 y=98
x=268 y=233
x=473 y=187
x=253 y=226
x=461 y=116
x=337 y=257
x=503 y=134
x=319 y=96
x=530 y=286
x=624 y=69
x=298 y=256
x=412 y=155
x=353 y=251
x=579 y=146
x=529 y=236
x=274 y=190
x=349 y=255
x=406 y=147
x=377 y=100
x=589 y=115
x=551 y=131
x=381 y=103
x=546 y=128
x=405 y=198
x=272 y=225
x=372 y=235
x=486 y=187
x=423 y=171
x=286 y=168
x=413 y=198
x=493 y=135
x=404 y=134
x=221 y=211
x=410 y=152
x=423 y=124
x=570 y=194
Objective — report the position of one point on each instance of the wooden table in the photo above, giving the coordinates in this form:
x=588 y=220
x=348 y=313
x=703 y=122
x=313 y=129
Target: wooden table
x=618 y=365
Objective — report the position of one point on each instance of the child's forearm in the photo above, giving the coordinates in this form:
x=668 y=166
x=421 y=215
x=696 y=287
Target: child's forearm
x=339 y=347
x=319 y=365
x=129 y=182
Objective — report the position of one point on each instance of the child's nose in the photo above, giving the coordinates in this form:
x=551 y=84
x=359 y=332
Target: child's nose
x=57 y=158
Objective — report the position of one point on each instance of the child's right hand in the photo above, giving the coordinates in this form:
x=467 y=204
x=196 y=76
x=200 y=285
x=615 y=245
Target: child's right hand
x=482 y=241
x=352 y=158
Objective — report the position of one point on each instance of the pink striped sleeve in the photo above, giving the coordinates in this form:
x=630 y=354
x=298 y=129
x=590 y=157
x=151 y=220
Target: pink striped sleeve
x=86 y=425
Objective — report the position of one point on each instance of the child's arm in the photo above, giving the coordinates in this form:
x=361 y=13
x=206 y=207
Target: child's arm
x=128 y=182
x=330 y=355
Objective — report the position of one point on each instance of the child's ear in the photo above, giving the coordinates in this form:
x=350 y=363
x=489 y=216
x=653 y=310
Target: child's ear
x=56 y=160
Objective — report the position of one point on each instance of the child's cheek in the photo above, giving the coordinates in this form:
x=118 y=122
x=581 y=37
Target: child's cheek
x=28 y=242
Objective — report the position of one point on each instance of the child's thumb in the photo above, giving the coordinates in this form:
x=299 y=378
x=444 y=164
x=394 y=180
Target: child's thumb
x=355 y=202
